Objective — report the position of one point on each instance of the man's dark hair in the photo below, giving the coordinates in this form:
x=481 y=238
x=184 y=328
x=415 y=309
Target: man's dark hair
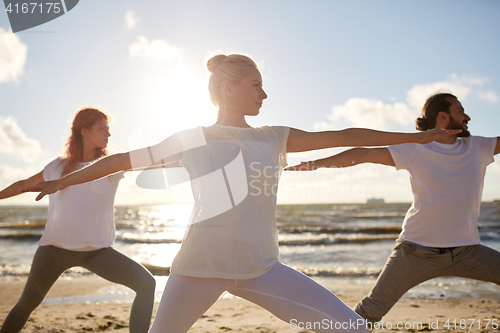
x=434 y=104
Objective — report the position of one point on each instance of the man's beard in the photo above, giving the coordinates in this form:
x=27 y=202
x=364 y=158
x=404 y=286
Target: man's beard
x=456 y=125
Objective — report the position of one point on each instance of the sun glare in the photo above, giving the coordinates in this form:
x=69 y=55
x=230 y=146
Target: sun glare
x=182 y=101
x=178 y=100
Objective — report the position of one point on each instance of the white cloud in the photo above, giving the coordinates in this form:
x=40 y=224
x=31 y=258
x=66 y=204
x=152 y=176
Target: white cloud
x=10 y=175
x=155 y=50
x=374 y=113
x=489 y=96
x=12 y=56
x=468 y=80
x=131 y=19
x=13 y=141
x=458 y=86
x=417 y=95
x=322 y=126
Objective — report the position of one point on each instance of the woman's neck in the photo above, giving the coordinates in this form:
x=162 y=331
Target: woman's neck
x=230 y=118
x=89 y=154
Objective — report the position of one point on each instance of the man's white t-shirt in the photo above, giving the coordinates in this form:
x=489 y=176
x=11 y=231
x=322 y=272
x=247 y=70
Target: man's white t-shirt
x=447 y=183
x=80 y=217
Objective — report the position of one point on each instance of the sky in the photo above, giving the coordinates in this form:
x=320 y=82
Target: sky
x=326 y=65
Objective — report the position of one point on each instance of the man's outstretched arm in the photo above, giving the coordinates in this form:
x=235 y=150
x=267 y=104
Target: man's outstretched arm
x=348 y=158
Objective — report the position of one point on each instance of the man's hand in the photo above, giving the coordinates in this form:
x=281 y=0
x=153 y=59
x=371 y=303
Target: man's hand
x=434 y=134
x=303 y=166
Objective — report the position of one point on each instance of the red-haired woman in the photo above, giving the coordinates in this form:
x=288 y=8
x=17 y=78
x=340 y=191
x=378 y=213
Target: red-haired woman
x=80 y=228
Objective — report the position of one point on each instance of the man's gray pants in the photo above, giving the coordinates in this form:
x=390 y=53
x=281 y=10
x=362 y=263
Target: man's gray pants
x=411 y=264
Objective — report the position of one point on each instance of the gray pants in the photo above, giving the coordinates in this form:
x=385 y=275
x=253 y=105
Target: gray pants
x=50 y=262
x=411 y=264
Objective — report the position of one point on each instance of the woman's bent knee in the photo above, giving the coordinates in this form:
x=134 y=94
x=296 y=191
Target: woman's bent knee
x=146 y=285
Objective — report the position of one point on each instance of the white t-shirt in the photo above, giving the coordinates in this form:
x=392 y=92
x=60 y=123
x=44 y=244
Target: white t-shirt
x=234 y=177
x=447 y=183
x=80 y=217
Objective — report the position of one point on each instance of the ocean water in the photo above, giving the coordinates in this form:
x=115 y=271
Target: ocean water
x=332 y=243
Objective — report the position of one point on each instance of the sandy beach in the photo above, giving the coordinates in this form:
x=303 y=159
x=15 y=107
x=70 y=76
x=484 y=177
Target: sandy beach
x=235 y=314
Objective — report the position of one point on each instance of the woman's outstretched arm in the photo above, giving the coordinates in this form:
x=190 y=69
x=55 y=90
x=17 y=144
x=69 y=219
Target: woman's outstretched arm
x=168 y=150
x=347 y=158
x=16 y=187
x=299 y=140
x=99 y=169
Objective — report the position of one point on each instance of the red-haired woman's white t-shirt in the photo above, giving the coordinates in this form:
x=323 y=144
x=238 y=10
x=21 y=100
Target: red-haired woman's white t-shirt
x=80 y=217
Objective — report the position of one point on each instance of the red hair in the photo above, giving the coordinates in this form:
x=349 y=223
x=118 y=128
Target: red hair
x=85 y=118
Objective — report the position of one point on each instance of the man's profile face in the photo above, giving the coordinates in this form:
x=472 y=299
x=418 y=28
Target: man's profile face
x=458 y=117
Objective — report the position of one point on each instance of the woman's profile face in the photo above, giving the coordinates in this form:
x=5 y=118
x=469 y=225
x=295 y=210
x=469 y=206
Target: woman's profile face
x=248 y=95
x=97 y=136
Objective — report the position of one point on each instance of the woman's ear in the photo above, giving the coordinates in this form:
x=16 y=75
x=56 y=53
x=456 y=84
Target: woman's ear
x=226 y=88
x=84 y=132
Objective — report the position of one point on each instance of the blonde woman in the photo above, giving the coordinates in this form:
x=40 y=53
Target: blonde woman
x=80 y=228
x=231 y=243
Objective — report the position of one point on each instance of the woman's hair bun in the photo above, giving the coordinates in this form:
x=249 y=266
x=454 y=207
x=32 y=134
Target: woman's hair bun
x=214 y=62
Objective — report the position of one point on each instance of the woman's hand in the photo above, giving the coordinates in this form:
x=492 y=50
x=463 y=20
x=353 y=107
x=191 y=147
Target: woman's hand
x=44 y=188
x=303 y=166
x=433 y=134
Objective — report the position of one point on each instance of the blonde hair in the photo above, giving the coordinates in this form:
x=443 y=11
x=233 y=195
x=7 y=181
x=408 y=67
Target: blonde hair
x=233 y=67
